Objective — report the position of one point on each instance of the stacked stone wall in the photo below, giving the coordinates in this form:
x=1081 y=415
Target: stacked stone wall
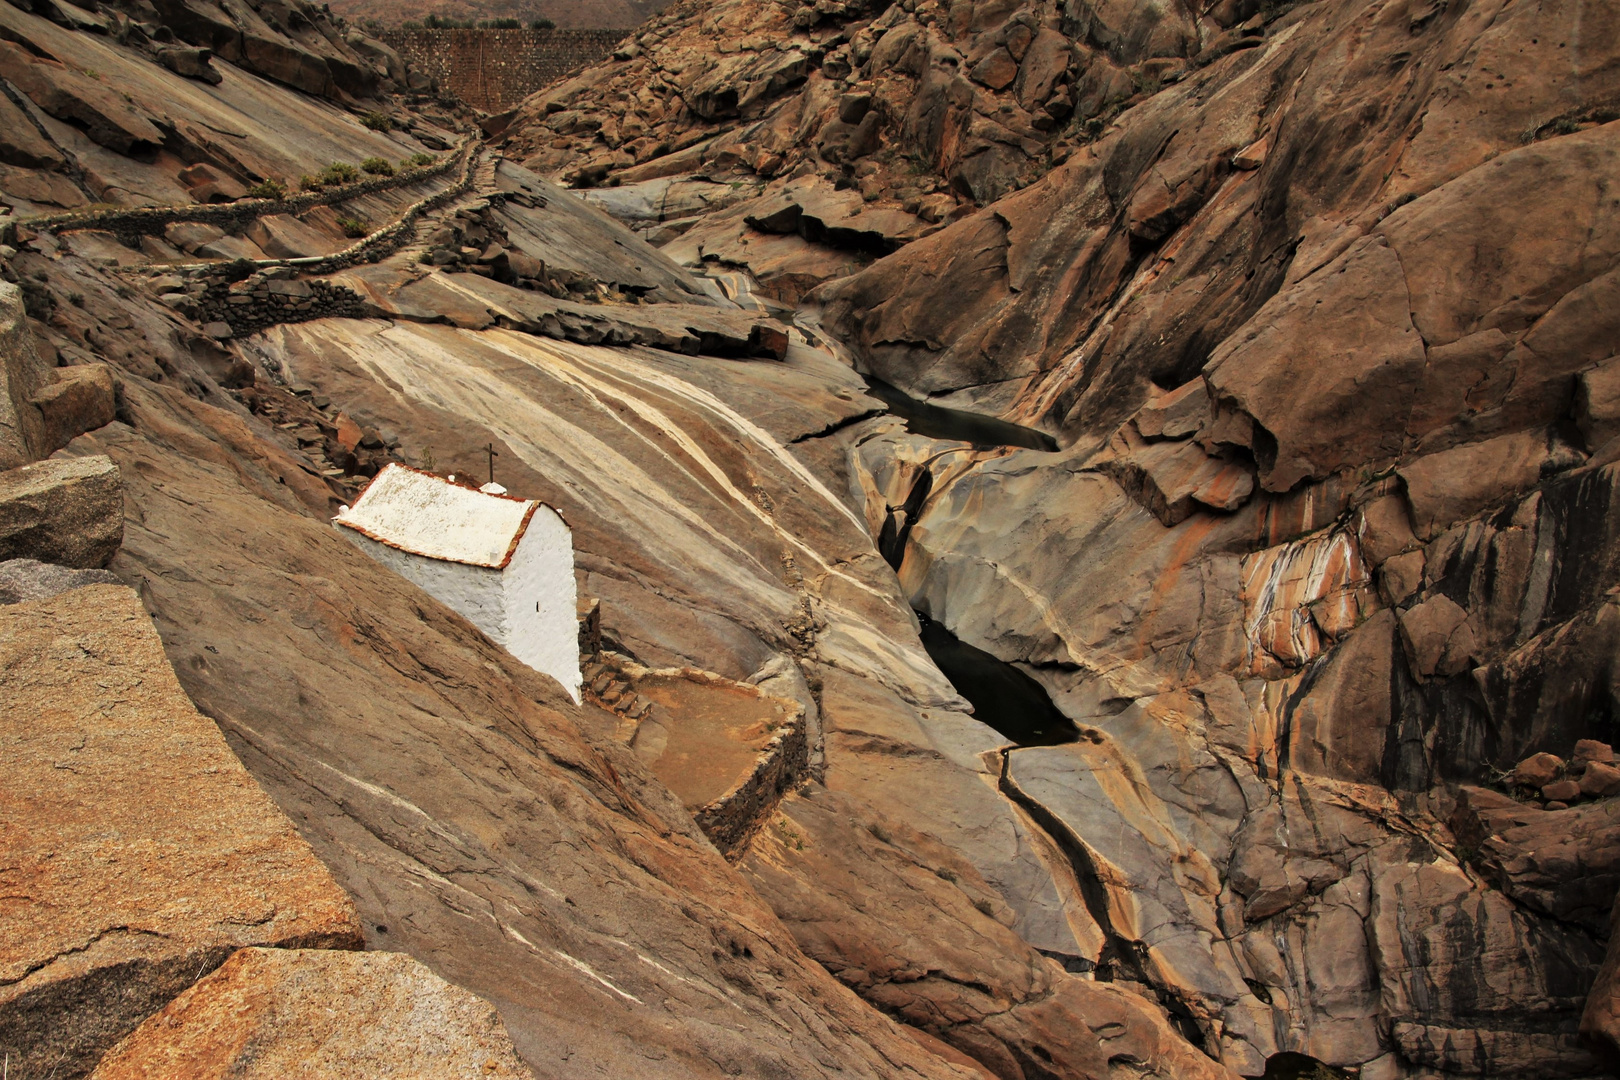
x=494 y=70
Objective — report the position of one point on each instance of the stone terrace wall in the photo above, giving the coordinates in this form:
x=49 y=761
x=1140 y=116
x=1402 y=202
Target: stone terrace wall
x=494 y=70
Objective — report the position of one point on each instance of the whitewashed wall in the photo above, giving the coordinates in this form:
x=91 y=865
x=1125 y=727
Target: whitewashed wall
x=542 y=620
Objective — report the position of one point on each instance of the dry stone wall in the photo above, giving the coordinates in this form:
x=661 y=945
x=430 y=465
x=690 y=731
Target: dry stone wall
x=494 y=70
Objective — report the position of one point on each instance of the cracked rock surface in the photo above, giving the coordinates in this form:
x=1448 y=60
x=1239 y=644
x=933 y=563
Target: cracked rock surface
x=138 y=851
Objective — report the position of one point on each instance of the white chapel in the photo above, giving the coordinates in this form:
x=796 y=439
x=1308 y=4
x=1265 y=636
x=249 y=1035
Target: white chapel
x=505 y=564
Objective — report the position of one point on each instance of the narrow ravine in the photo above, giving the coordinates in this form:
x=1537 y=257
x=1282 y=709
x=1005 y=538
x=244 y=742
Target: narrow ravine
x=1003 y=696
x=939 y=422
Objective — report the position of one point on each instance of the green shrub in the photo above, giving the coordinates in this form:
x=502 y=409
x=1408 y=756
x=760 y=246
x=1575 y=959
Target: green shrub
x=353 y=227
x=309 y=183
x=542 y=24
x=418 y=161
x=339 y=172
x=268 y=188
x=410 y=24
x=500 y=24
x=378 y=121
x=376 y=166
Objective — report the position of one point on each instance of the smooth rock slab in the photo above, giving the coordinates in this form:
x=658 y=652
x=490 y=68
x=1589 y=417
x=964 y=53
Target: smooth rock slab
x=68 y=511
x=312 y=1012
x=136 y=853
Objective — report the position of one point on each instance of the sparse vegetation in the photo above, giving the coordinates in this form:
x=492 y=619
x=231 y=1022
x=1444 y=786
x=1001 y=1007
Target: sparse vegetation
x=353 y=227
x=307 y=182
x=268 y=188
x=446 y=22
x=339 y=172
x=986 y=908
x=377 y=166
x=790 y=836
x=418 y=161
x=378 y=121
x=76 y=299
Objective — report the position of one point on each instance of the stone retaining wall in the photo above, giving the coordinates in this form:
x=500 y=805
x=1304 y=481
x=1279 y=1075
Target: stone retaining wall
x=731 y=819
x=494 y=70
x=131 y=223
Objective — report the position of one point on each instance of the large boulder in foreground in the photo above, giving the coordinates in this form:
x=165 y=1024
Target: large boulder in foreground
x=268 y=1013
x=137 y=851
x=68 y=511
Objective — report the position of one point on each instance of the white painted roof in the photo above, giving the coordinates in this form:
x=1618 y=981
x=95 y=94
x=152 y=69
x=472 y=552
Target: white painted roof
x=427 y=515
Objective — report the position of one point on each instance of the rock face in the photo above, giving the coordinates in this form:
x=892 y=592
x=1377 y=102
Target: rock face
x=610 y=930
x=103 y=111
x=271 y=1013
x=68 y=511
x=1314 y=300
x=21 y=375
x=913 y=927
x=1329 y=533
x=139 y=852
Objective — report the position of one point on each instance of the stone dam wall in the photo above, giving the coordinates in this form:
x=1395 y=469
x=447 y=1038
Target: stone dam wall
x=494 y=70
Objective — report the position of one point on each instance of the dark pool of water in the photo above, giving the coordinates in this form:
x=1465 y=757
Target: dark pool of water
x=938 y=422
x=1291 y=1066
x=1002 y=696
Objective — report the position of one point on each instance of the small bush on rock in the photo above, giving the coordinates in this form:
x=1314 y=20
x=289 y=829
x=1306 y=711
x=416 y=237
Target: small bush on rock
x=268 y=188
x=378 y=121
x=376 y=166
x=418 y=161
x=353 y=227
x=339 y=172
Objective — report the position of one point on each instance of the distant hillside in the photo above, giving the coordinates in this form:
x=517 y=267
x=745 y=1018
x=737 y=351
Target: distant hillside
x=580 y=14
